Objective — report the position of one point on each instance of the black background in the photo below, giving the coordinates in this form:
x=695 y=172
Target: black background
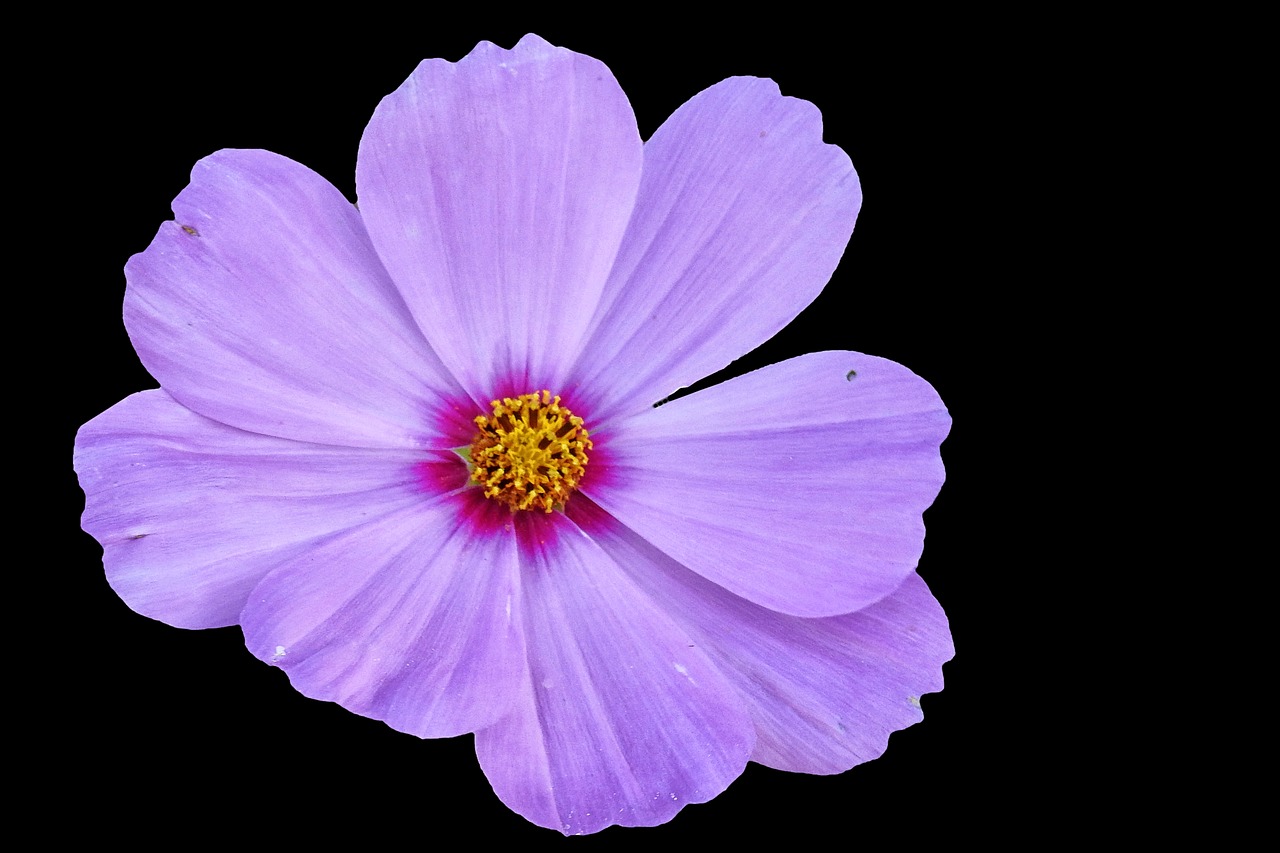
x=158 y=724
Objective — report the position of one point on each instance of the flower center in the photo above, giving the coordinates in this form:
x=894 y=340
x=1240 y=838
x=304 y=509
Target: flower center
x=530 y=453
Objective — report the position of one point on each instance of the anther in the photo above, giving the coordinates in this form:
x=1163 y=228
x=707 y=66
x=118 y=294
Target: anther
x=531 y=452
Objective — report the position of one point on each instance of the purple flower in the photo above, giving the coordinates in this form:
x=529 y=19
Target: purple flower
x=412 y=449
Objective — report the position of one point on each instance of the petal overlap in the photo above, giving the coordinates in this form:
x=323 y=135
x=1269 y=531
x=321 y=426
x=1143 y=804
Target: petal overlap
x=413 y=619
x=263 y=306
x=497 y=190
x=620 y=718
x=825 y=694
x=192 y=513
x=743 y=214
x=799 y=486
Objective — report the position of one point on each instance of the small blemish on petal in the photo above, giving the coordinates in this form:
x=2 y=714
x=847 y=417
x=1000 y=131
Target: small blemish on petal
x=280 y=652
x=914 y=700
x=193 y=232
x=138 y=535
x=681 y=669
x=848 y=377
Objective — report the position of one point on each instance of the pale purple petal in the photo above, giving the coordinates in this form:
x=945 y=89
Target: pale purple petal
x=191 y=513
x=413 y=619
x=620 y=719
x=497 y=190
x=264 y=306
x=799 y=486
x=825 y=694
x=742 y=216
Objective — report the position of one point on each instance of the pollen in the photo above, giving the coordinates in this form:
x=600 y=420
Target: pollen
x=531 y=452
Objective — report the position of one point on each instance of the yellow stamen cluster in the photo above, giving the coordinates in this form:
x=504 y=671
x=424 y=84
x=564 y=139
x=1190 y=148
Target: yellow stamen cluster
x=530 y=453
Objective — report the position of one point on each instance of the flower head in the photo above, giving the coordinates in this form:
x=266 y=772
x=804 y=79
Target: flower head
x=412 y=448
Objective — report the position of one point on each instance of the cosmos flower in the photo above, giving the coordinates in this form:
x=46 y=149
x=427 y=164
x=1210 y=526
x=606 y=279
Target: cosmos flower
x=413 y=450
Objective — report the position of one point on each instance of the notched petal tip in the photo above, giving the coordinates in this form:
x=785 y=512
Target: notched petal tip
x=530 y=49
x=804 y=117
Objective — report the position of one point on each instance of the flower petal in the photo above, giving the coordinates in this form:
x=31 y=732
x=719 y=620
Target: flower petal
x=799 y=486
x=497 y=190
x=620 y=719
x=191 y=513
x=742 y=216
x=825 y=694
x=413 y=619
x=264 y=306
